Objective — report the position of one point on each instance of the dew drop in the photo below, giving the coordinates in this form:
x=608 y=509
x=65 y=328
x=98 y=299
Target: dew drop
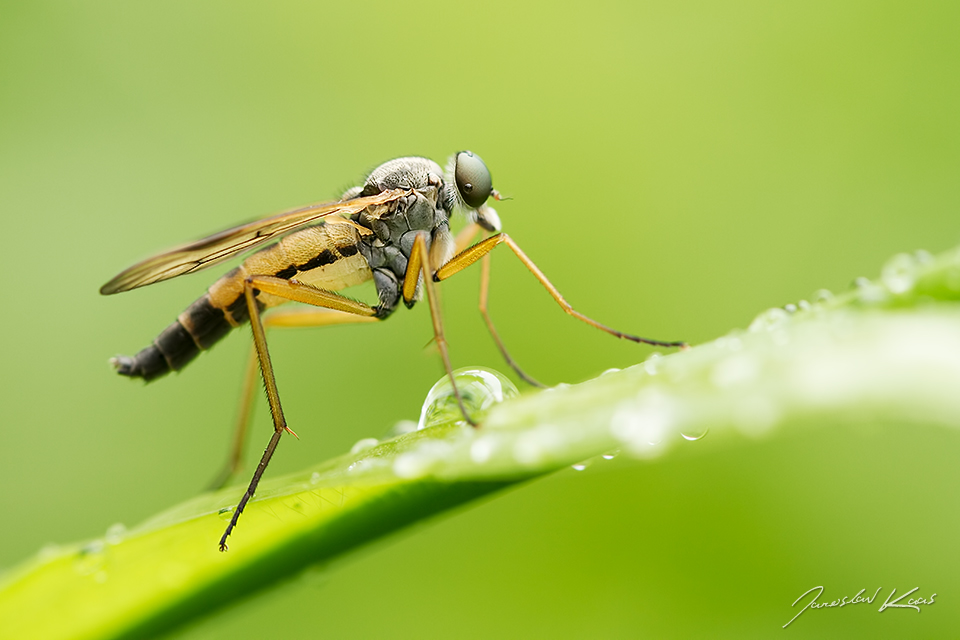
x=315 y=478
x=610 y=455
x=769 y=320
x=870 y=292
x=480 y=388
x=580 y=466
x=364 y=445
x=91 y=560
x=822 y=295
x=899 y=274
x=694 y=436
x=790 y=308
x=651 y=363
x=803 y=305
x=400 y=428
x=225 y=514
x=612 y=370
x=115 y=533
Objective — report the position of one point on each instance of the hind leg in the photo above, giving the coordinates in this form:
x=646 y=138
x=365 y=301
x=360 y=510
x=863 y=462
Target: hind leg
x=285 y=318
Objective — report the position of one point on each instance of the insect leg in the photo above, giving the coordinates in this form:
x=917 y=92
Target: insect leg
x=470 y=255
x=484 y=291
x=420 y=263
x=463 y=240
x=465 y=236
x=299 y=293
x=281 y=318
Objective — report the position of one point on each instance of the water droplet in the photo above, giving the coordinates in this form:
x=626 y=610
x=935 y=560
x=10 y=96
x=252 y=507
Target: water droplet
x=922 y=256
x=822 y=295
x=610 y=455
x=769 y=320
x=315 y=478
x=422 y=460
x=480 y=389
x=580 y=466
x=694 y=436
x=790 y=308
x=613 y=370
x=870 y=292
x=803 y=305
x=651 y=363
x=225 y=514
x=364 y=445
x=91 y=560
x=899 y=274
x=400 y=428
x=115 y=533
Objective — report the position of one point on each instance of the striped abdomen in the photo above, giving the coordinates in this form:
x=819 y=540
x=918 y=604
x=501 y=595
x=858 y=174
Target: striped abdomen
x=324 y=256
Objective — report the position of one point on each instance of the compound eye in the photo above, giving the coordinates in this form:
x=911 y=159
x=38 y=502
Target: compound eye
x=473 y=179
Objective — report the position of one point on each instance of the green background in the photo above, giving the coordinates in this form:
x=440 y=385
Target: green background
x=675 y=168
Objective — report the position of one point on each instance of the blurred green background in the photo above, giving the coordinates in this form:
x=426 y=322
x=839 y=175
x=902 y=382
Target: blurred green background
x=675 y=168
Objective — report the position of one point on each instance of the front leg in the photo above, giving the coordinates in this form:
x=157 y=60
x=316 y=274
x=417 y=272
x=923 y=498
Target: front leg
x=417 y=266
x=470 y=255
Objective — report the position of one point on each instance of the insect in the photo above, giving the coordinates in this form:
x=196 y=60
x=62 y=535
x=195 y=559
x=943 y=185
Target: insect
x=393 y=229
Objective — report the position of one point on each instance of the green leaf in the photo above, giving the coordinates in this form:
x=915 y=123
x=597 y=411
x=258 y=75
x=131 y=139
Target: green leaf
x=888 y=349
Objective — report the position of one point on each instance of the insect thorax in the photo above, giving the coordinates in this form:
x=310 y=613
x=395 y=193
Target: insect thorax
x=395 y=227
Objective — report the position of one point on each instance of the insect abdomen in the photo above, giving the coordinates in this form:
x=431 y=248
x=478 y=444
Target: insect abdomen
x=324 y=256
x=198 y=328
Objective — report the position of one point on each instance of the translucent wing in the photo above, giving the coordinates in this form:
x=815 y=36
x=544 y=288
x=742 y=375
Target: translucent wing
x=220 y=246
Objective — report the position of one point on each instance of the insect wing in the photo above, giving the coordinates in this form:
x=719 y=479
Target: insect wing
x=225 y=244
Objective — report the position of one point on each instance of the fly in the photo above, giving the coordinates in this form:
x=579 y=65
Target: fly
x=394 y=229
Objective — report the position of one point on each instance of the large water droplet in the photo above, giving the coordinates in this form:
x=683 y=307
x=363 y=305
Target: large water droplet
x=691 y=435
x=480 y=388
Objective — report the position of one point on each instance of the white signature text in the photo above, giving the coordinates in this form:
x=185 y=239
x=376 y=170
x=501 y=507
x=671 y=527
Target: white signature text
x=889 y=603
